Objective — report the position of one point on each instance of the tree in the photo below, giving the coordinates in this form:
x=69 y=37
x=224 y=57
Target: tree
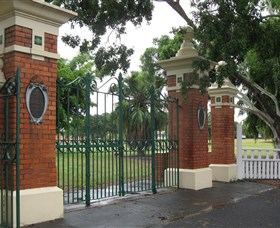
x=71 y=91
x=103 y=126
x=232 y=31
x=246 y=36
x=100 y=17
x=137 y=110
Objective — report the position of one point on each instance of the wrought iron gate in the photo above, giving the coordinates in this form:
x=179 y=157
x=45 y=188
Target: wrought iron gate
x=103 y=150
x=9 y=152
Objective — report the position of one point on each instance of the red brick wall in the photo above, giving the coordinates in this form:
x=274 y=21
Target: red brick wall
x=193 y=145
x=37 y=148
x=222 y=134
x=50 y=43
x=171 y=81
x=18 y=35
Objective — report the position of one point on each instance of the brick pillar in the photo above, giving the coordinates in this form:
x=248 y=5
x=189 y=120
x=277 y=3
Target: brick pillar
x=222 y=136
x=29 y=36
x=193 y=144
x=37 y=150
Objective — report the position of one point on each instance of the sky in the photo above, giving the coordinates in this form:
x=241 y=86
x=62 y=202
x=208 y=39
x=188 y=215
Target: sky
x=164 y=18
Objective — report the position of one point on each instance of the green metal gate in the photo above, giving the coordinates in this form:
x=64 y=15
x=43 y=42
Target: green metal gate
x=102 y=151
x=9 y=152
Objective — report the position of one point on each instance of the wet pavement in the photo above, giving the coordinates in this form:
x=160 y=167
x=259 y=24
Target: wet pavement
x=239 y=204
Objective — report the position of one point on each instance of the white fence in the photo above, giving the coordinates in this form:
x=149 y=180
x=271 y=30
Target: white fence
x=256 y=163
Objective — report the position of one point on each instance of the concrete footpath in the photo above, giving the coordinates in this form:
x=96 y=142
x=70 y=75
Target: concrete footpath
x=240 y=204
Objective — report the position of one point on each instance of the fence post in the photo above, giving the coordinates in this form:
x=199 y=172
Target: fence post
x=88 y=85
x=240 y=165
x=18 y=147
x=121 y=168
x=152 y=93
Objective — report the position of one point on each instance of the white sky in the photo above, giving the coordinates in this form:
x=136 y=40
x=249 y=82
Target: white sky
x=164 y=18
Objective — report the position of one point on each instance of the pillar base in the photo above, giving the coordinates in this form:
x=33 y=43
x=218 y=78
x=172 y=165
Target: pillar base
x=224 y=173
x=40 y=205
x=195 y=179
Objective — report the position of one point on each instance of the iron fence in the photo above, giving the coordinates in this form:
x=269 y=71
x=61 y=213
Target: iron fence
x=103 y=150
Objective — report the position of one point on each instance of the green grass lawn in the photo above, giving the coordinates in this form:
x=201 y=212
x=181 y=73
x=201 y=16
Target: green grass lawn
x=259 y=143
x=252 y=143
x=105 y=166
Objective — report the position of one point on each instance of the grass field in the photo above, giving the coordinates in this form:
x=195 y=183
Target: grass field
x=259 y=143
x=104 y=166
x=252 y=143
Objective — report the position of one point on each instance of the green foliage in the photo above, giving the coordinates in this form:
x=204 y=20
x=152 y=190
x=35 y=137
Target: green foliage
x=109 y=60
x=167 y=47
x=71 y=90
x=103 y=126
x=242 y=34
x=137 y=109
x=100 y=17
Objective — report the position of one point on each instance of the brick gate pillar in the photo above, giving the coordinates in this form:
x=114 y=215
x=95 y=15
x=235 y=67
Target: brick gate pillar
x=223 y=165
x=28 y=39
x=194 y=172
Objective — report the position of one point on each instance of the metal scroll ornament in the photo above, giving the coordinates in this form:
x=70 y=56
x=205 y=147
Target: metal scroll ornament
x=201 y=116
x=36 y=100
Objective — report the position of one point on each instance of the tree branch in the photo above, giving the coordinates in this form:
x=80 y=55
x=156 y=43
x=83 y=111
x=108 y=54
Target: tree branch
x=271 y=96
x=271 y=16
x=175 y=4
x=253 y=109
x=257 y=93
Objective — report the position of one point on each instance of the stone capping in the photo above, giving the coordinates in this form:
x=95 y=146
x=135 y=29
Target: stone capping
x=227 y=89
x=36 y=8
x=35 y=53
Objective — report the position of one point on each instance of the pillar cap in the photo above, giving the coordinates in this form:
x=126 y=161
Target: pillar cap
x=37 y=15
x=226 y=89
x=35 y=8
x=185 y=55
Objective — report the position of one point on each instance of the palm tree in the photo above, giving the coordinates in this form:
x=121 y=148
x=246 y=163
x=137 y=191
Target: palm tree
x=137 y=110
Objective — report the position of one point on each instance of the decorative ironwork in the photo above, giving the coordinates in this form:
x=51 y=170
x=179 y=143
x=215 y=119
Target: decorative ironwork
x=9 y=152
x=36 y=99
x=102 y=151
x=9 y=88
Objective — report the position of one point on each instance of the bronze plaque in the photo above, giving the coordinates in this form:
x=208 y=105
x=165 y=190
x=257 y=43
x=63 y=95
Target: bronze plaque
x=201 y=117
x=37 y=102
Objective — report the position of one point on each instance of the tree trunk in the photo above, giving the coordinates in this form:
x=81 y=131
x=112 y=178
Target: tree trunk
x=276 y=134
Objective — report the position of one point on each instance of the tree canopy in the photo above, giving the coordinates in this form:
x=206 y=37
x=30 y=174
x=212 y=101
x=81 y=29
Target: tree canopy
x=243 y=34
x=71 y=90
x=101 y=16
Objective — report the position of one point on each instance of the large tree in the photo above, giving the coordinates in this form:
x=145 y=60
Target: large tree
x=245 y=35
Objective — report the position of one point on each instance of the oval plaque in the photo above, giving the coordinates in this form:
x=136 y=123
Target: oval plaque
x=201 y=116
x=36 y=102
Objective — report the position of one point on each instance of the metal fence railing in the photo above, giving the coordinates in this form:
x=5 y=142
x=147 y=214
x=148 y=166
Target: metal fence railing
x=105 y=149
